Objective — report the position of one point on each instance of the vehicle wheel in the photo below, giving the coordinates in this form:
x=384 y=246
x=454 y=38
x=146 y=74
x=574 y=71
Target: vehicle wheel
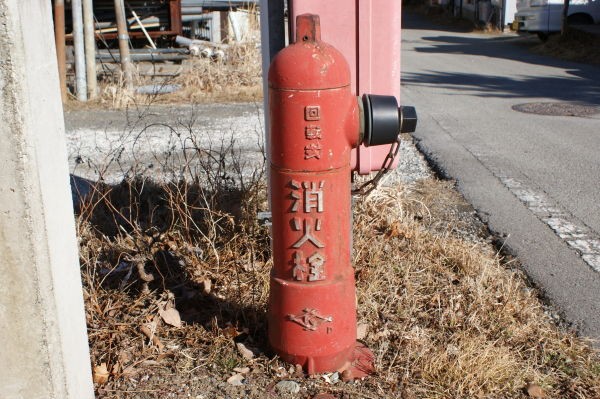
x=543 y=36
x=579 y=19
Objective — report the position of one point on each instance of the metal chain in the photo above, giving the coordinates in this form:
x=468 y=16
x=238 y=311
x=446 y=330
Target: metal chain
x=371 y=185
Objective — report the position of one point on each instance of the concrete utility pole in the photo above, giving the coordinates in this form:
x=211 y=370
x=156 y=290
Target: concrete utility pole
x=45 y=350
x=78 y=44
x=59 y=37
x=90 y=48
x=124 y=44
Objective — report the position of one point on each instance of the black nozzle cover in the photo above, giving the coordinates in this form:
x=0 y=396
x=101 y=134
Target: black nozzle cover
x=408 y=119
x=381 y=119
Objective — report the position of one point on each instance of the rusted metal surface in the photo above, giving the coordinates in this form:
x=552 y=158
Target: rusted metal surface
x=59 y=37
x=314 y=123
x=221 y=5
x=90 y=48
x=175 y=16
x=161 y=18
x=126 y=66
x=557 y=109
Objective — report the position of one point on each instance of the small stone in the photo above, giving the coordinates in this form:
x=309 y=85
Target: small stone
x=236 y=380
x=335 y=377
x=287 y=386
x=324 y=396
x=242 y=370
x=245 y=352
x=361 y=330
x=298 y=372
x=347 y=376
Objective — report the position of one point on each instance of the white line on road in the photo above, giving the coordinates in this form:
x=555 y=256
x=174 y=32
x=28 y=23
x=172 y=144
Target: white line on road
x=566 y=226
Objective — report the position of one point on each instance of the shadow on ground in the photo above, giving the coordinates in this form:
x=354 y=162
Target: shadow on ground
x=146 y=241
x=583 y=86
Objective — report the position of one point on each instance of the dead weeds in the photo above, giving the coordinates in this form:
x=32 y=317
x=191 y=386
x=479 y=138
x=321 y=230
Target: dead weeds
x=448 y=319
x=575 y=45
x=234 y=77
x=176 y=285
x=238 y=77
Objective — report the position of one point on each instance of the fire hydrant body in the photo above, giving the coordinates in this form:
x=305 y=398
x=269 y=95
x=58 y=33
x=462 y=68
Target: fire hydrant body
x=315 y=122
x=314 y=119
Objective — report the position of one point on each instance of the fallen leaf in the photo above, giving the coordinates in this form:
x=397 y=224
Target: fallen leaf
x=324 y=396
x=116 y=368
x=361 y=330
x=124 y=356
x=150 y=363
x=230 y=332
x=101 y=374
x=395 y=230
x=148 y=330
x=382 y=334
x=130 y=372
x=171 y=317
x=236 y=380
x=535 y=391
x=207 y=286
x=286 y=387
x=245 y=352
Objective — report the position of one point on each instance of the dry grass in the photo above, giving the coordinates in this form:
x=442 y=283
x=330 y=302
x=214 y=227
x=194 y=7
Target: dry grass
x=235 y=78
x=575 y=45
x=446 y=318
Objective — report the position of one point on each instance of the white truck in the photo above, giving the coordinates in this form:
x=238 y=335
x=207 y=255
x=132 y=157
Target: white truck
x=543 y=17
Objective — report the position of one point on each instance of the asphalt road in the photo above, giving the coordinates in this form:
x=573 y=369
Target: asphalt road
x=534 y=179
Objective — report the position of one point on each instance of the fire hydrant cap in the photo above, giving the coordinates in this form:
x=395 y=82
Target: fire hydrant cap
x=309 y=64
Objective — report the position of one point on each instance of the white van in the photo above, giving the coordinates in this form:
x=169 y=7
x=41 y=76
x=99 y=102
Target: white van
x=545 y=16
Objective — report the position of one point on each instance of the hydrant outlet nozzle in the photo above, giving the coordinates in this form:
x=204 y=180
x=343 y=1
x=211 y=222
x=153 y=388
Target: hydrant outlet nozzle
x=408 y=119
x=381 y=119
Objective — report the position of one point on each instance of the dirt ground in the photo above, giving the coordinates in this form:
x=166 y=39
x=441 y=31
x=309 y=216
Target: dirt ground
x=176 y=273
x=175 y=266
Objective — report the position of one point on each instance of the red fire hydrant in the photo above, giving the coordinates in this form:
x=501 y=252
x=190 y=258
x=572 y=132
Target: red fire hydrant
x=315 y=121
